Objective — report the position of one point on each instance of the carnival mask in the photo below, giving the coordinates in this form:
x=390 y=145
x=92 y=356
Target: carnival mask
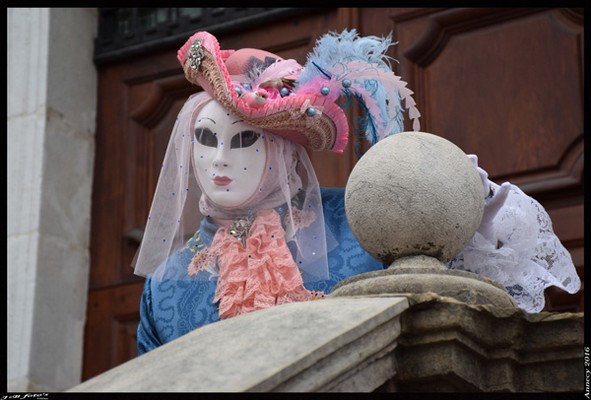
x=229 y=156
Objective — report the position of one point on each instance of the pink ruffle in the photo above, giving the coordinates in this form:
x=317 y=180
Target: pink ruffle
x=260 y=274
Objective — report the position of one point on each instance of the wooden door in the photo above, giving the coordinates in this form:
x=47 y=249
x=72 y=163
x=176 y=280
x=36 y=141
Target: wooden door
x=504 y=84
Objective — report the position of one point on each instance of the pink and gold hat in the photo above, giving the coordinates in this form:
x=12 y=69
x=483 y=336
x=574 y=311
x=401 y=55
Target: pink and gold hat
x=299 y=102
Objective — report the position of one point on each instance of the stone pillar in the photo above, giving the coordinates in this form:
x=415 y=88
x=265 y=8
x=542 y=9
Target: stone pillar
x=51 y=124
x=413 y=201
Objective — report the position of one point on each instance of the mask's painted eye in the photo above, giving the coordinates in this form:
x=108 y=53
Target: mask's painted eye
x=206 y=137
x=244 y=139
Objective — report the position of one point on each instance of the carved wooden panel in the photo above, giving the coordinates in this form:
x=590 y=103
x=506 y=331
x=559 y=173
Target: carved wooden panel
x=111 y=326
x=154 y=104
x=505 y=84
x=133 y=98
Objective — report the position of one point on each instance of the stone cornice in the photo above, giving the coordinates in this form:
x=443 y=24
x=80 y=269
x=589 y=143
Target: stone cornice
x=448 y=345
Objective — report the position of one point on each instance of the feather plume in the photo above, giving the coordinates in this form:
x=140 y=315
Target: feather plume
x=277 y=70
x=359 y=68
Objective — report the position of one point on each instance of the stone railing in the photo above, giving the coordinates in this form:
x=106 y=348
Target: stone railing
x=415 y=326
x=420 y=342
x=341 y=344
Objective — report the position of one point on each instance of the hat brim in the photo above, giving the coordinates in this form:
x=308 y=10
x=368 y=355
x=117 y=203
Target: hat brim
x=325 y=129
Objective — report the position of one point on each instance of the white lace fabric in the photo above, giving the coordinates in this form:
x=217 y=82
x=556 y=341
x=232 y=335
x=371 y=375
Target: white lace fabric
x=524 y=255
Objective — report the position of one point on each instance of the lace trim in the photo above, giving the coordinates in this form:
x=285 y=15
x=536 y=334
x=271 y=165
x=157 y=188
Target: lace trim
x=525 y=256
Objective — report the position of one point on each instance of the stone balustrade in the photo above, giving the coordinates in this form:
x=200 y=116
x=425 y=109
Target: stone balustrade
x=418 y=342
x=341 y=344
x=412 y=201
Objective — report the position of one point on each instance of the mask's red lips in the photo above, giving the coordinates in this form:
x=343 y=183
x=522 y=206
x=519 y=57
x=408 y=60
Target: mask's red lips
x=222 y=180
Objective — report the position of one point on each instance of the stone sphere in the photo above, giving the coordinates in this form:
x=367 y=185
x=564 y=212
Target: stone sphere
x=414 y=193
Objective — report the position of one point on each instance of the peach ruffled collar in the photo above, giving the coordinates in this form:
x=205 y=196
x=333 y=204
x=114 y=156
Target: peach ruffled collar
x=256 y=268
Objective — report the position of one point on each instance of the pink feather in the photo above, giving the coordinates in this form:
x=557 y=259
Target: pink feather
x=277 y=70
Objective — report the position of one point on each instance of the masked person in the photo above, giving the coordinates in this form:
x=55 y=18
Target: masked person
x=239 y=222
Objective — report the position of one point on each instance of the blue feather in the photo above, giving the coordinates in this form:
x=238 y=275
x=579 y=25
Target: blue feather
x=335 y=49
x=361 y=63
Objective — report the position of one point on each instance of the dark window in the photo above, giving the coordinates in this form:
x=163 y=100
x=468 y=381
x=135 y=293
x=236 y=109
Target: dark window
x=124 y=32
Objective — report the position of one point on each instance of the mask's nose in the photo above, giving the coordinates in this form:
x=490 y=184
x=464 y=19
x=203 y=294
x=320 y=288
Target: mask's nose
x=222 y=156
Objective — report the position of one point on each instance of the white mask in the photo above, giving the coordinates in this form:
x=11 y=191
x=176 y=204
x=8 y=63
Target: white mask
x=229 y=156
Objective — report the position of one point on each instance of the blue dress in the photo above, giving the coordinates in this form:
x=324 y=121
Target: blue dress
x=173 y=307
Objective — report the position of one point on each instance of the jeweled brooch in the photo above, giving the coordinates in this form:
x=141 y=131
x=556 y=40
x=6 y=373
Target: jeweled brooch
x=195 y=55
x=240 y=227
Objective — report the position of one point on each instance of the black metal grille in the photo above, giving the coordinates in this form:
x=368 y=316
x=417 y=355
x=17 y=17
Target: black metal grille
x=124 y=32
